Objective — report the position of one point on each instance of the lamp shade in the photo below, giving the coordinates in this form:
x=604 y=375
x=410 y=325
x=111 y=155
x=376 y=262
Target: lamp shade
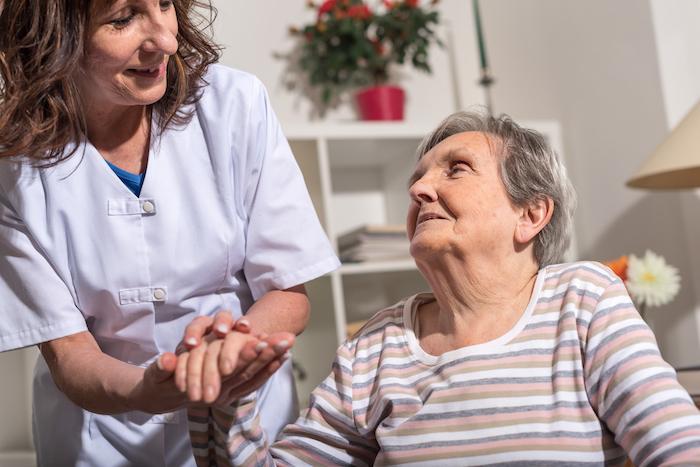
x=676 y=162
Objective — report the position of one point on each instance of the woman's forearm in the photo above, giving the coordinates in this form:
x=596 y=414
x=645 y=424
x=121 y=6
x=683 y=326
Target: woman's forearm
x=88 y=377
x=102 y=384
x=280 y=310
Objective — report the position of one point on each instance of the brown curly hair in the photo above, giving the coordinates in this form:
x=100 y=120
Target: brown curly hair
x=42 y=43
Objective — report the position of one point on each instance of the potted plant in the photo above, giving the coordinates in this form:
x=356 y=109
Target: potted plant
x=353 y=47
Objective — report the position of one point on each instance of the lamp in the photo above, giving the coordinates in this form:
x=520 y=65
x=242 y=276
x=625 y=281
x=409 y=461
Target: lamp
x=676 y=162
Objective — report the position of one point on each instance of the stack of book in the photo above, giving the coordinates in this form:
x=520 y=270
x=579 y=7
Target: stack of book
x=374 y=243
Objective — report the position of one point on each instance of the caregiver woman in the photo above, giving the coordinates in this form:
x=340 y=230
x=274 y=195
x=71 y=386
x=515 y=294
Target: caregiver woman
x=141 y=186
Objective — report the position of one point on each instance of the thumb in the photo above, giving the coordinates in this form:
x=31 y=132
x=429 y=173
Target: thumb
x=162 y=369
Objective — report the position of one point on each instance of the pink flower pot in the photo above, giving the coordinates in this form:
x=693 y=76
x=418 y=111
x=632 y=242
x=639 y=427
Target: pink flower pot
x=381 y=103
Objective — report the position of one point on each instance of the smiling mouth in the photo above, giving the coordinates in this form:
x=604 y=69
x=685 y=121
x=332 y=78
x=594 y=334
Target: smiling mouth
x=152 y=72
x=429 y=217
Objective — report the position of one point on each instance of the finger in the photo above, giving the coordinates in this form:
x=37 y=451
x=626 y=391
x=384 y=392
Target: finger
x=281 y=342
x=161 y=369
x=266 y=354
x=277 y=345
x=223 y=323
x=233 y=345
x=181 y=372
x=253 y=384
x=211 y=380
x=242 y=325
x=167 y=362
x=195 y=331
x=194 y=372
x=250 y=352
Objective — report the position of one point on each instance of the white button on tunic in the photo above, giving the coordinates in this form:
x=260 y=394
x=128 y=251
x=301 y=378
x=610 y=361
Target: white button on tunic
x=148 y=207
x=159 y=294
x=223 y=218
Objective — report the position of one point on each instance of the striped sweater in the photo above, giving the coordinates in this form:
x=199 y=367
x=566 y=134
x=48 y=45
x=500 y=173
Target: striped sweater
x=577 y=381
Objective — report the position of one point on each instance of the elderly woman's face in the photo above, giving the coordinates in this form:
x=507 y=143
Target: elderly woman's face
x=459 y=204
x=127 y=53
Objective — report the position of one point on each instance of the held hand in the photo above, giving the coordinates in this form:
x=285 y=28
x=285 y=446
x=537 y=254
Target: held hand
x=156 y=392
x=224 y=370
x=259 y=370
x=207 y=328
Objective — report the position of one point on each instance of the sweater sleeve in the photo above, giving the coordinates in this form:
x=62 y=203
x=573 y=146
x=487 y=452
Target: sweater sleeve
x=325 y=433
x=633 y=390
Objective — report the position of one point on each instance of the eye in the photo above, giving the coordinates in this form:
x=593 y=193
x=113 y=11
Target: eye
x=458 y=166
x=123 y=21
x=166 y=4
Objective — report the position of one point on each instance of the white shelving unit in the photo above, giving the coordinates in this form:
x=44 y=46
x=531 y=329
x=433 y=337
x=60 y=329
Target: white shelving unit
x=357 y=173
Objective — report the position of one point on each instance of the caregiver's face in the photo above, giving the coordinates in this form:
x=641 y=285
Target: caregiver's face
x=126 y=55
x=458 y=201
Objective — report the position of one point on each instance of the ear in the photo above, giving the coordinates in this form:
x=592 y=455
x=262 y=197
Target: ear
x=533 y=218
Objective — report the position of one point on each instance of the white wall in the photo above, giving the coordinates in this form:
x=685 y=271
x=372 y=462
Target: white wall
x=678 y=42
x=594 y=66
x=255 y=34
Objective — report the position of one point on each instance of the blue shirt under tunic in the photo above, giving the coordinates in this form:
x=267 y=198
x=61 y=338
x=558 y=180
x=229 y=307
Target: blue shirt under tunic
x=132 y=181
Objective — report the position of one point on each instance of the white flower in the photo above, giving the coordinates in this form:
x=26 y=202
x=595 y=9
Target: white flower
x=651 y=281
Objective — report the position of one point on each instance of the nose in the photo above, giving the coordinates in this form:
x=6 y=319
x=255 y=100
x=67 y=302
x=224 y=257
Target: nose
x=161 y=35
x=423 y=190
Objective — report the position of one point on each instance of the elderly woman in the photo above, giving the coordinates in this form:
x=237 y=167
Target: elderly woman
x=143 y=188
x=510 y=359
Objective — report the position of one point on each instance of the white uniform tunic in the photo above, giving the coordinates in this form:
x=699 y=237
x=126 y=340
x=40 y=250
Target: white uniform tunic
x=223 y=217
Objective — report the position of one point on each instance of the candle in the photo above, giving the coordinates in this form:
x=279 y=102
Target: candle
x=480 y=36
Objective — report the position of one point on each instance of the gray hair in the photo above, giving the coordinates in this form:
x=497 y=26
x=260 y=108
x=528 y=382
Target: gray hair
x=530 y=171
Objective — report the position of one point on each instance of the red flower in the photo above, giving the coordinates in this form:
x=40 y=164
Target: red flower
x=326 y=7
x=412 y=3
x=359 y=12
x=389 y=4
x=378 y=47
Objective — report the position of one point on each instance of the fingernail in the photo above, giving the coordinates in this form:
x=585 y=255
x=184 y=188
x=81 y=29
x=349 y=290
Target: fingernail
x=222 y=328
x=226 y=367
x=260 y=346
x=209 y=393
x=243 y=322
x=285 y=356
x=281 y=345
x=159 y=364
x=195 y=392
x=191 y=341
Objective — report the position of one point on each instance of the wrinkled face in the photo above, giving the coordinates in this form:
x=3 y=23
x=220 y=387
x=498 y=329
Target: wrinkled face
x=459 y=204
x=129 y=43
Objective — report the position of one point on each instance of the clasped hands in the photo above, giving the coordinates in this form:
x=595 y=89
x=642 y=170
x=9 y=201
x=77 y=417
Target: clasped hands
x=219 y=361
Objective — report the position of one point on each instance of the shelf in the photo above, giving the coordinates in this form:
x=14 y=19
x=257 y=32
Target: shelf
x=385 y=153
x=367 y=293
x=378 y=266
x=358 y=130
